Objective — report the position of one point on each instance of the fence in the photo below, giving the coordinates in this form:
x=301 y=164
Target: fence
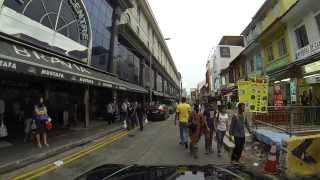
x=291 y=119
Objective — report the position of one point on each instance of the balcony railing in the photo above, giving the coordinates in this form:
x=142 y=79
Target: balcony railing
x=309 y=50
x=291 y=119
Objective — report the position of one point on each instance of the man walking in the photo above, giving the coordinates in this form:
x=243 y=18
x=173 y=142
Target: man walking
x=140 y=114
x=124 y=113
x=209 y=113
x=183 y=113
x=237 y=130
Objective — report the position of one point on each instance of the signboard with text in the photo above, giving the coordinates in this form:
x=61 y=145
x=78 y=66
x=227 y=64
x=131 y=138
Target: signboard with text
x=254 y=95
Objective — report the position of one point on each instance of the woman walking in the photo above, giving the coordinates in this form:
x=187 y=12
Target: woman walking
x=41 y=118
x=197 y=126
x=222 y=124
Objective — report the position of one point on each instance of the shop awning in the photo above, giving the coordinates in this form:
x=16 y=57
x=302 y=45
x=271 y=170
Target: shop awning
x=21 y=58
x=156 y=93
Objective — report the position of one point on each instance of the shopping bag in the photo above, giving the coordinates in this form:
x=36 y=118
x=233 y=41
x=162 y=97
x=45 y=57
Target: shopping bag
x=49 y=125
x=3 y=130
x=125 y=126
x=146 y=121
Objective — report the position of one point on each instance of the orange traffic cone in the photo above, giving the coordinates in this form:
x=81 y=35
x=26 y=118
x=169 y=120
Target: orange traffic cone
x=270 y=165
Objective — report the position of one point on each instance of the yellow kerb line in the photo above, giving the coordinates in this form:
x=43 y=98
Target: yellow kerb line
x=50 y=167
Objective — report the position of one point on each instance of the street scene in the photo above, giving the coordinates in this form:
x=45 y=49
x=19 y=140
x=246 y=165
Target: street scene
x=159 y=90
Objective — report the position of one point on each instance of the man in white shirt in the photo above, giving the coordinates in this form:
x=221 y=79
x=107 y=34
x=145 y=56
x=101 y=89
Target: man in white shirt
x=110 y=112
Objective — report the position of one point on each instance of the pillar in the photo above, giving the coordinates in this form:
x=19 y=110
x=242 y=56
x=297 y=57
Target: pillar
x=113 y=39
x=86 y=101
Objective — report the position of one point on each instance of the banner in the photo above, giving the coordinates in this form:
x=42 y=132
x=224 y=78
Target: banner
x=254 y=95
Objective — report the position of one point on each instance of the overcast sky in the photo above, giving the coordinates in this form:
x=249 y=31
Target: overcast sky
x=197 y=26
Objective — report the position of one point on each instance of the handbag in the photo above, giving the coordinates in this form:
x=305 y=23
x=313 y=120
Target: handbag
x=49 y=125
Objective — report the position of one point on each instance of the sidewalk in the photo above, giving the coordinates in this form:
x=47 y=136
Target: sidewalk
x=22 y=154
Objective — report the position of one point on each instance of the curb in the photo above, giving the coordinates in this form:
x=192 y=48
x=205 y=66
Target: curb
x=11 y=166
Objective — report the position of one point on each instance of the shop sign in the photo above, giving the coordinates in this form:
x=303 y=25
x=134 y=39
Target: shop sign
x=293 y=90
x=277 y=64
x=86 y=81
x=308 y=50
x=313 y=67
x=23 y=52
x=8 y=65
x=254 y=95
x=53 y=74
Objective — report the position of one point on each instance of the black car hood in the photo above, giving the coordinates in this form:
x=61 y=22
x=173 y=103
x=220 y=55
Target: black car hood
x=189 y=172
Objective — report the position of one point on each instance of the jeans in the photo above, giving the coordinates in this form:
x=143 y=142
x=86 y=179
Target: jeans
x=237 y=151
x=183 y=132
x=124 y=118
x=208 y=140
x=140 y=120
x=220 y=135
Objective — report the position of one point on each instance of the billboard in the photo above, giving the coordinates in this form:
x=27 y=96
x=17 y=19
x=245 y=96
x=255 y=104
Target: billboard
x=254 y=95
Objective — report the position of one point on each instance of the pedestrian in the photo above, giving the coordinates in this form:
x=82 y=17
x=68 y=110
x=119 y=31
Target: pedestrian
x=42 y=118
x=221 y=124
x=237 y=130
x=197 y=127
x=124 y=113
x=110 y=112
x=28 y=114
x=140 y=114
x=131 y=115
x=3 y=128
x=209 y=114
x=183 y=113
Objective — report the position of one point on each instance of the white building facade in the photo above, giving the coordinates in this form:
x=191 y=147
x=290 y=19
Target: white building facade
x=223 y=54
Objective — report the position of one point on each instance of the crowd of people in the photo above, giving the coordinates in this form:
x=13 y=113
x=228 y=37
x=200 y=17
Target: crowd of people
x=207 y=120
x=37 y=120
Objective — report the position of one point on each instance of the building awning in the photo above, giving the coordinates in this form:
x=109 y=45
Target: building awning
x=16 y=57
x=156 y=93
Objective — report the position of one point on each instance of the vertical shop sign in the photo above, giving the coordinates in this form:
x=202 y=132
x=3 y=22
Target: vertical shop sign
x=277 y=96
x=293 y=91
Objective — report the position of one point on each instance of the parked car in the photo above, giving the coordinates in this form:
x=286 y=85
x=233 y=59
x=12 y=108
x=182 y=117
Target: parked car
x=158 y=112
x=171 y=104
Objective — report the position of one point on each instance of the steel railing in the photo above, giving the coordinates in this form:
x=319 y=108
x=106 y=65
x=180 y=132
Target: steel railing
x=291 y=119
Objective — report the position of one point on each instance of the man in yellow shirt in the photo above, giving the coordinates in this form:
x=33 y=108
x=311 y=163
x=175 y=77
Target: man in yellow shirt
x=183 y=112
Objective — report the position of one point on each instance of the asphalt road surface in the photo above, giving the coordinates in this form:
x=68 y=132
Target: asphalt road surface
x=156 y=145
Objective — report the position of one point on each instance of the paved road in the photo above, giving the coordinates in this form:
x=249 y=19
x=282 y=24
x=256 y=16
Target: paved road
x=156 y=145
